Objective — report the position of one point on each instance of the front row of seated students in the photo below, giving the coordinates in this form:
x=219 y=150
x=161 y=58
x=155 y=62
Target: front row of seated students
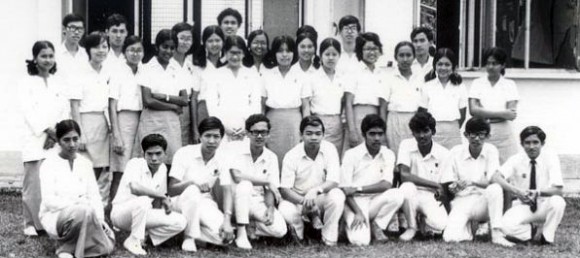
x=236 y=193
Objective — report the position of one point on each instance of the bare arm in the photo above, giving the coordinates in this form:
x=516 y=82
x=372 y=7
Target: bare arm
x=256 y=180
x=181 y=100
x=291 y=196
x=193 y=116
x=305 y=107
x=383 y=108
x=141 y=190
x=406 y=176
x=152 y=103
x=349 y=111
x=462 y=112
x=477 y=110
x=378 y=187
x=176 y=187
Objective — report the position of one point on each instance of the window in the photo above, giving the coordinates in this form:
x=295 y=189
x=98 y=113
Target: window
x=165 y=14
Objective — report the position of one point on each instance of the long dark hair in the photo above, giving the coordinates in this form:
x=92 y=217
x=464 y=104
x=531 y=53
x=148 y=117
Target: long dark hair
x=183 y=26
x=499 y=54
x=248 y=60
x=270 y=59
x=313 y=37
x=454 y=77
x=200 y=57
x=36 y=48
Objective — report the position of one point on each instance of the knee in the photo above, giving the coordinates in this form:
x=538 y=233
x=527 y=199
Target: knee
x=557 y=202
x=179 y=222
x=142 y=203
x=408 y=189
x=396 y=195
x=336 y=196
x=244 y=188
x=494 y=190
x=192 y=192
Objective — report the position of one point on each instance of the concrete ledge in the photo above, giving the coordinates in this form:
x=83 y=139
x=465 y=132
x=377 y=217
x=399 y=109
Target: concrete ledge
x=532 y=73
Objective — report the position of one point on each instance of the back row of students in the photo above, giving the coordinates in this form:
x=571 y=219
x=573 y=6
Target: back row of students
x=110 y=90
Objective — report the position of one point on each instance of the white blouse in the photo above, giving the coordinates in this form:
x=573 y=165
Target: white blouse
x=494 y=97
x=443 y=102
x=284 y=91
x=93 y=89
x=170 y=80
x=326 y=94
x=366 y=85
x=403 y=95
x=125 y=89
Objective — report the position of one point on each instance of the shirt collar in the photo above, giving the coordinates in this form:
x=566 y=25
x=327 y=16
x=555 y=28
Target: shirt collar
x=467 y=155
x=433 y=153
x=320 y=150
x=364 y=152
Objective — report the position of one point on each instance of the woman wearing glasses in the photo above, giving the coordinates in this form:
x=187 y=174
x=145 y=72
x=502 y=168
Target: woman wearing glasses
x=258 y=44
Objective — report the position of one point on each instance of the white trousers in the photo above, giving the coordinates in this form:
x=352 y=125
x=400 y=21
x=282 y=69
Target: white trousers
x=331 y=205
x=420 y=201
x=379 y=208
x=138 y=216
x=203 y=216
x=476 y=207
x=516 y=222
x=253 y=207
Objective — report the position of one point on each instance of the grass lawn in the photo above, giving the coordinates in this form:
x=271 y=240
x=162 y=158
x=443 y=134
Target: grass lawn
x=14 y=244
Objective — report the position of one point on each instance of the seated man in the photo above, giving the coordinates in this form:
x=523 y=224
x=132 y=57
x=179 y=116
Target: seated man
x=420 y=160
x=255 y=171
x=468 y=173
x=310 y=175
x=535 y=179
x=195 y=170
x=366 y=180
x=141 y=205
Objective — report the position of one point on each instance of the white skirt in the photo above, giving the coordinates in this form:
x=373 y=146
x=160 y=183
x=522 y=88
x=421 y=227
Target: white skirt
x=96 y=132
x=447 y=134
x=128 y=124
x=398 y=129
x=285 y=132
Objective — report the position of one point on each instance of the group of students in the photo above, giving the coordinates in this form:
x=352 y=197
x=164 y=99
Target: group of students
x=289 y=118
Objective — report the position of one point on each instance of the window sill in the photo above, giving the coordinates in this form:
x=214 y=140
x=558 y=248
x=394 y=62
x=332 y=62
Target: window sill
x=533 y=73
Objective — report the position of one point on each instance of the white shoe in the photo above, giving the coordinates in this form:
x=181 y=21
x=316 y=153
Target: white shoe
x=188 y=245
x=134 y=246
x=408 y=235
x=30 y=231
x=65 y=255
x=243 y=243
x=502 y=241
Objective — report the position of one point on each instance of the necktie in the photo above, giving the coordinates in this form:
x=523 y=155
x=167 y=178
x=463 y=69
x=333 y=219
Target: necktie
x=534 y=206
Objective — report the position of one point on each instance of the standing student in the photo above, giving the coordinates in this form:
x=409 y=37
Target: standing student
x=495 y=98
x=534 y=177
x=402 y=95
x=467 y=174
x=116 y=30
x=233 y=92
x=163 y=88
x=142 y=205
x=327 y=87
x=309 y=181
x=285 y=96
x=187 y=43
x=71 y=211
x=363 y=90
x=230 y=21
x=70 y=55
x=445 y=97
x=258 y=46
x=367 y=181
x=125 y=105
x=89 y=108
x=421 y=161
x=44 y=102
x=349 y=28
x=255 y=172
x=422 y=38
x=198 y=173
x=306 y=44
x=207 y=59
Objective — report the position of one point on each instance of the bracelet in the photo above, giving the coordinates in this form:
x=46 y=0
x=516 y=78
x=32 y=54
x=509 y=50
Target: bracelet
x=167 y=97
x=228 y=213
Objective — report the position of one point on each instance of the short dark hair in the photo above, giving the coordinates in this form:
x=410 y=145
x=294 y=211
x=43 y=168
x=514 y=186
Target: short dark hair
x=211 y=123
x=72 y=17
x=422 y=120
x=162 y=36
x=256 y=118
x=116 y=20
x=270 y=58
x=249 y=59
x=93 y=40
x=153 y=140
x=402 y=44
x=362 y=39
x=36 y=48
x=235 y=41
x=65 y=126
x=477 y=124
x=200 y=58
x=426 y=30
x=183 y=26
x=310 y=121
x=531 y=130
x=454 y=77
x=499 y=54
x=371 y=121
x=130 y=40
x=348 y=20
x=229 y=12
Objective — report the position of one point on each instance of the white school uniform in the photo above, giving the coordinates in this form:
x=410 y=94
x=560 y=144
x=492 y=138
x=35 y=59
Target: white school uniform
x=347 y=63
x=360 y=169
x=69 y=65
x=417 y=198
x=115 y=61
x=300 y=174
x=424 y=69
x=472 y=203
x=135 y=213
x=550 y=210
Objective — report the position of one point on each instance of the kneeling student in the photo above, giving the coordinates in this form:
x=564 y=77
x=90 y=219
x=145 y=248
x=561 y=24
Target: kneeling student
x=141 y=205
x=468 y=173
x=535 y=178
x=420 y=161
x=255 y=171
x=366 y=180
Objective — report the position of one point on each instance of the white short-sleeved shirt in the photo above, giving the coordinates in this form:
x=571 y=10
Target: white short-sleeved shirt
x=429 y=167
x=284 y=91
x=232 y=98
x=125 y=88
x=443 y=102
x=265 y=166
x=69 y=64
x=326 y=94
x=462 y=166
x=188 y=165
x=115 y=61
x=170 y=80
x=517 y=170
x=422 y=70
x=189 y=71
x=301 y=173
x=137 y=171
x=201 y=75
x=494 y=97
x=93 y=89
x=403 y=95
x=367 y=85
x=347 y=64
x=359 y=168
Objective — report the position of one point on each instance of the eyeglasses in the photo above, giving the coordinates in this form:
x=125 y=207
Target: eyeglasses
x=481 y=135
x=256 y=133
x=135 y=51
x=75 y=29
x=186 y=39
x=350 y=28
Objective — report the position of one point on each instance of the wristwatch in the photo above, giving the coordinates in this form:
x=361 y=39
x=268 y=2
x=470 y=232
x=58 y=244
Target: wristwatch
x=359 y=189
x=320 y=190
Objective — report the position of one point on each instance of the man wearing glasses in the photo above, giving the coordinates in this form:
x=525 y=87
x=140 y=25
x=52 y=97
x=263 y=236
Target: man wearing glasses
x=349 y=28
x=255 y=172
x=468 y=173
x=70 y=55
